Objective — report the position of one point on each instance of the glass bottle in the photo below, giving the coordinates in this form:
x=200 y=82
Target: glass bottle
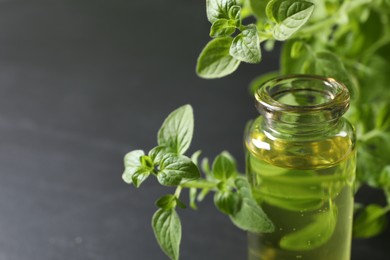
x=301 y=157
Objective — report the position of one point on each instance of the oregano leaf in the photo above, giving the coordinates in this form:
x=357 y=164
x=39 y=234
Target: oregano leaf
x=176 y=132
x=289 y=15
x=246 y=45
x=176 y=169
x=166 y=202
x=192 y=196
x=250 y=216
x=370 y=222
x=222 y=27
x=235 y=13
x=224 y=167
x=227 y=202
x=140 y=175
x=218 y=9
x=167 y=229
x=215 y=61
x=132 y=163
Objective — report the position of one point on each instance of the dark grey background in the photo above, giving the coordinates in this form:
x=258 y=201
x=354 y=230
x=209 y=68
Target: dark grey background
x=81 y=83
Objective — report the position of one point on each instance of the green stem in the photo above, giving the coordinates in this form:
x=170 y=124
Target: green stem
x=200 y=184
x=178 y=191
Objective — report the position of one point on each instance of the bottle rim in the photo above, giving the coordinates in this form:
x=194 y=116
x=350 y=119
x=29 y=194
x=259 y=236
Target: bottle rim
x=336 y=94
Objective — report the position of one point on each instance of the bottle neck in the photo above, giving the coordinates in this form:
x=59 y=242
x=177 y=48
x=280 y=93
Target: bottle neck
x=301 y=104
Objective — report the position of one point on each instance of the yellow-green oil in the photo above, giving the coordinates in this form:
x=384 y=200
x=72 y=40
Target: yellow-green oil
x=306 y=189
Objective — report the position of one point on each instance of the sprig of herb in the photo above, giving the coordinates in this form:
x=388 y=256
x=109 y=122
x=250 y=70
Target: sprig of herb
x=347 y=40
x=171 y=167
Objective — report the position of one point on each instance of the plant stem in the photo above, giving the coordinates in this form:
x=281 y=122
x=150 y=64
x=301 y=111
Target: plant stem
x=200 y=184
x=178 y=191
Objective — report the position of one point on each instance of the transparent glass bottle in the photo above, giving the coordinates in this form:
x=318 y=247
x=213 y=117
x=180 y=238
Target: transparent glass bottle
x=301 y=166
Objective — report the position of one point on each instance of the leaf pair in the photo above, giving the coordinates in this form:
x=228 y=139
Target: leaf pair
x=222 y=56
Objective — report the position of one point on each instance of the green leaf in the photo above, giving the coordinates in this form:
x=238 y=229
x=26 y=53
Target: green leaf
x=329 y=65
x=132 y=164
x=296 y=49
x=289 y=15
x=370 y=222
x=235 y=13
x=215 y=60
x=205 y=166
x=250 y=216
x=227 y=202
x=218 y=9
x=203 y=194
x=314 y=234
x=157 y=153
x=246 y=46
x=195 y=157
x=176 y=169
x=146 y=161
x=176 y=132
x=140 y=176
x=166 y=202
x=224 y=167
x=192 y=196
x=222 y=27
x=167 y=229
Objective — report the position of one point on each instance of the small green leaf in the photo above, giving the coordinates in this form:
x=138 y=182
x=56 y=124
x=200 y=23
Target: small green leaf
x=314 y=234
x=222 y=27
x=166 y=202
x=246 y=46
x=296 y=49
x=235 y=13
x=370 y=222
x=195 y=157
x=227 y=202
x=218 y=9
x=132 y=164
x=146 y=161
x=140 y=175
x=203 y=194
x=176 y=169
x=157 y=153
x=176 y=132
x=205 y=166
x=289 y=15
x=215 y=60
x=224 y=167
x=167 y=229
x=192 y=196
x=180 y=203
x=250 y=216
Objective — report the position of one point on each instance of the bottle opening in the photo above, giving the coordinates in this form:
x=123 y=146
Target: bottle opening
x=302 y=99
